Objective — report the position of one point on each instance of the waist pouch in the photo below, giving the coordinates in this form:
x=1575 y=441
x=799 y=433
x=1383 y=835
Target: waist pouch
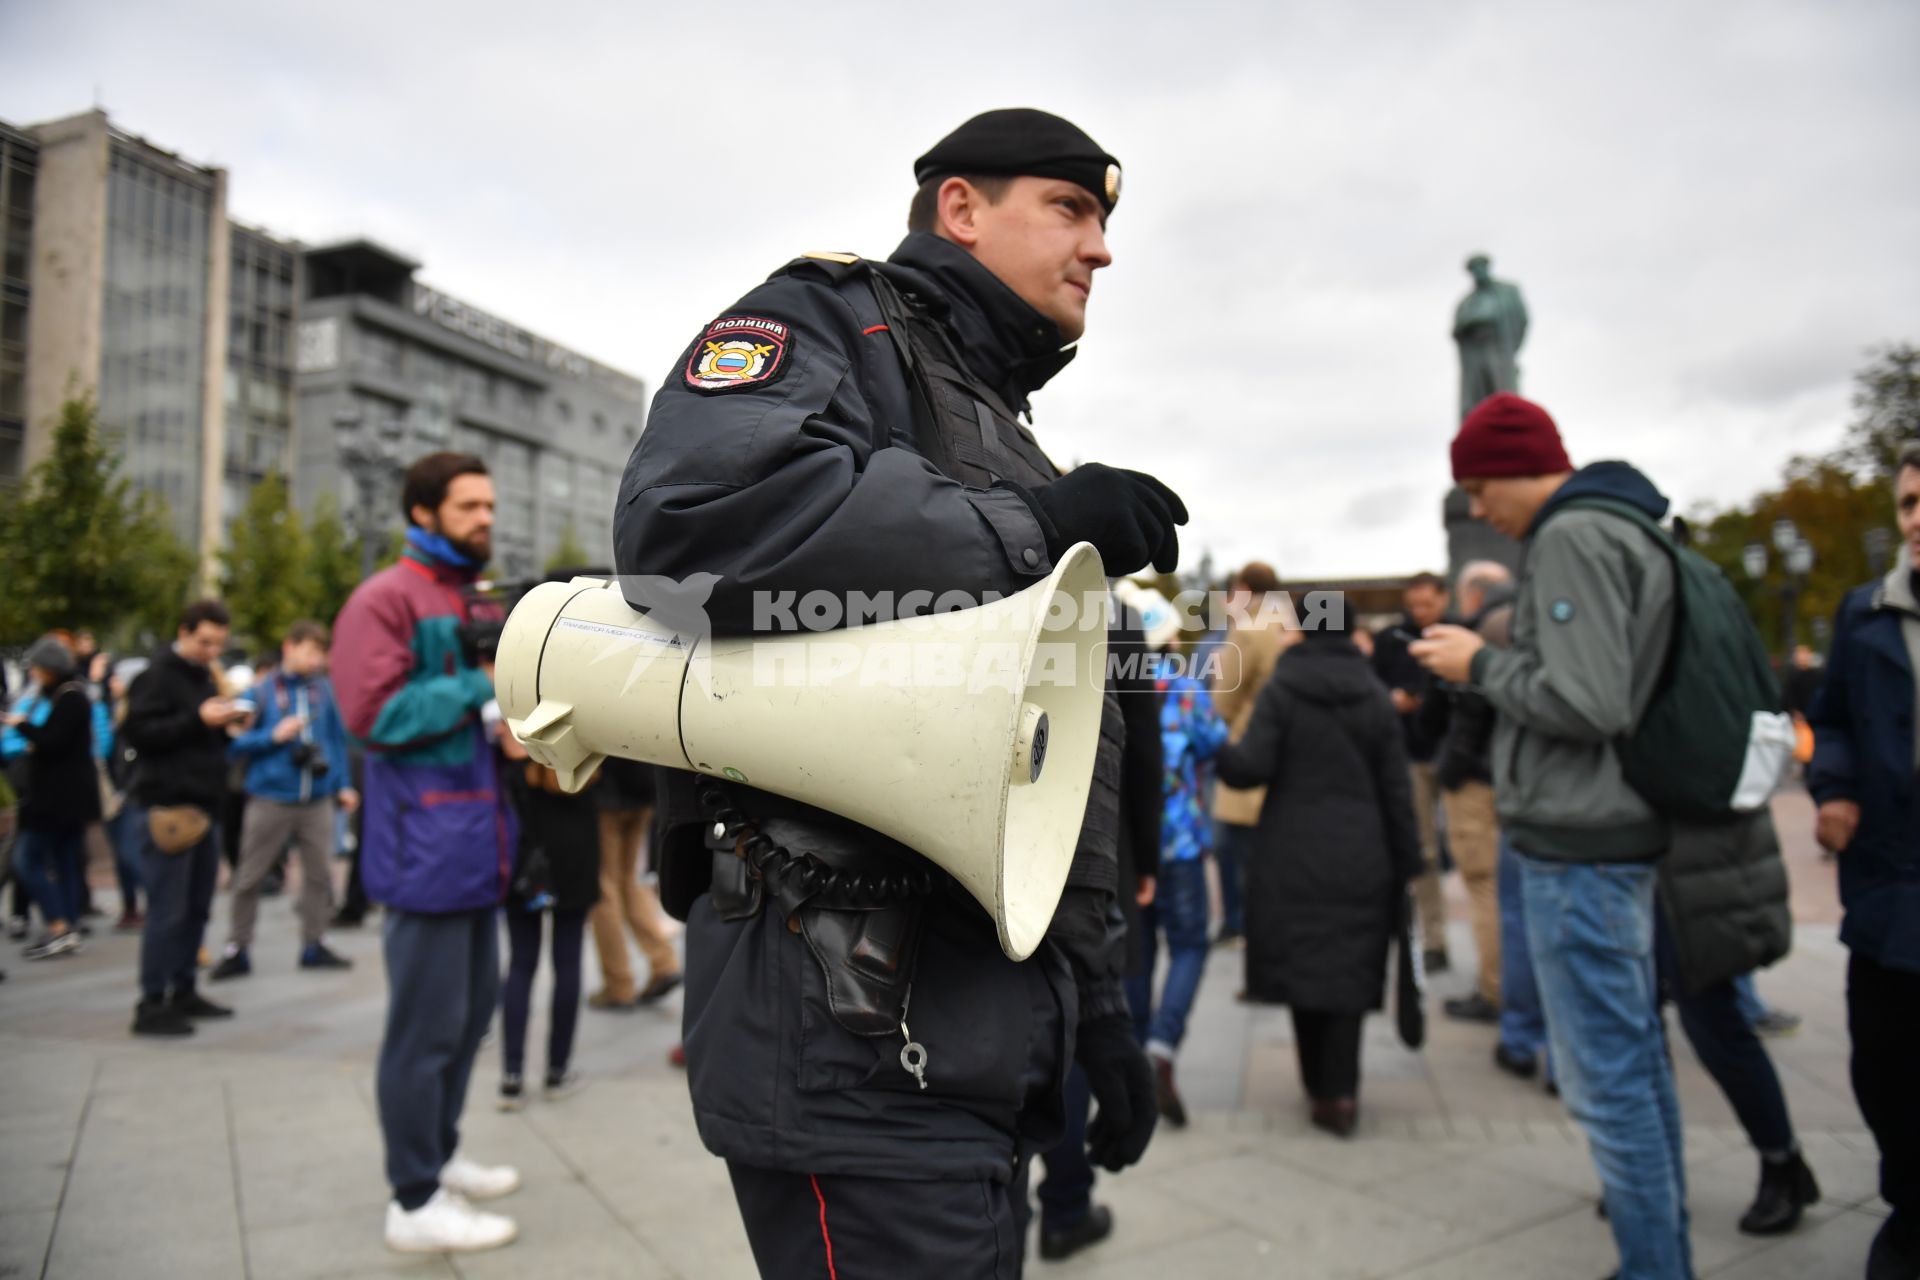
x=176 y=828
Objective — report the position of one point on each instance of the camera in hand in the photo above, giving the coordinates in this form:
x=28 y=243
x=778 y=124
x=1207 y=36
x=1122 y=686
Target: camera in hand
x=480 y=640
x=311 y=758
x=487 y=604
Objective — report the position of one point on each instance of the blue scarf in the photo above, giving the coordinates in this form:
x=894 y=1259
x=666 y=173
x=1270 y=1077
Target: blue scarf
x=436 y=546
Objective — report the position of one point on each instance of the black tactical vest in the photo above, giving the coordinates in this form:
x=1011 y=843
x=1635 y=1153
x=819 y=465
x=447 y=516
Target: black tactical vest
x=972 y=436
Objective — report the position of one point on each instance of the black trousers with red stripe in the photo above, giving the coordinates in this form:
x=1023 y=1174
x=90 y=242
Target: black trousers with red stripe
x=831 y=1227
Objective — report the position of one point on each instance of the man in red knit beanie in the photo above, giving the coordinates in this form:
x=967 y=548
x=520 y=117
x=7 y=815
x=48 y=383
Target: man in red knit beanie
x=1593 y=622
x=1591 y=627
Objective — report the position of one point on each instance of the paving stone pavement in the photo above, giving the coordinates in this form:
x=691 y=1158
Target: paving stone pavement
x=251 y=1150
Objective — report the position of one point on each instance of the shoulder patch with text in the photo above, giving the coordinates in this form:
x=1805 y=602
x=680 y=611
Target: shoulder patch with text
x=738 y=351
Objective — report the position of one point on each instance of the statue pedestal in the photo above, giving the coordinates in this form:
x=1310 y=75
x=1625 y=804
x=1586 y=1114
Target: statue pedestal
x=1469 y=539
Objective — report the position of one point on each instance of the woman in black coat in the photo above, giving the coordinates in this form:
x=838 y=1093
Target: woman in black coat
x=1334 y=849
x=61 y=797
x=556 y=875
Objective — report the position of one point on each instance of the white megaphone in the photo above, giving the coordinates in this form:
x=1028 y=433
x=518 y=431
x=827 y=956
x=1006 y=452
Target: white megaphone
x=967 y=736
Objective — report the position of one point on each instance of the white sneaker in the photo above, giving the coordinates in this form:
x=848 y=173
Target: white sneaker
x=446 y=1224
x=479 y=1181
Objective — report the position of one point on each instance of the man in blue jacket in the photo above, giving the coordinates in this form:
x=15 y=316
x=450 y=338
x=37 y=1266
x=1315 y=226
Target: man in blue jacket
x=1866 y=733
x=296 y=756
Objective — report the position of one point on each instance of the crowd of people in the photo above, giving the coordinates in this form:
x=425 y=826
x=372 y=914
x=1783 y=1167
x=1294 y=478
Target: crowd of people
x=173 y=759
x=1318 y=774
x=1326 y=774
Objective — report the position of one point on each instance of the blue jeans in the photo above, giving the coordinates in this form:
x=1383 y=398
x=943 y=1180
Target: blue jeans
x=1523 y=1027
x=50 y=861
x=1232 y=845
x=1179 y=910
x=1591 y=931
x=179 y=900
x=126 y=833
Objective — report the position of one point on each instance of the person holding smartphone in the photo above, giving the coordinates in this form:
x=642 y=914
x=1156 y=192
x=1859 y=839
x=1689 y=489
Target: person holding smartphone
x=178 y=721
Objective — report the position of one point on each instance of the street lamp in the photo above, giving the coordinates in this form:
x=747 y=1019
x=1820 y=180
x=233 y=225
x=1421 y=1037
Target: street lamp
x=1800 y=559
x=1796 y=562
x=373 y=459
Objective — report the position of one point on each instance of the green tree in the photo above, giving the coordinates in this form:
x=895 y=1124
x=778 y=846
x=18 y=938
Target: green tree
x=396 y=546
x=83 y=548
x=1833 y=509
x=333 y=562
x=1886 y=403
x=569 y=554
x=169 y=573
x=265 y=577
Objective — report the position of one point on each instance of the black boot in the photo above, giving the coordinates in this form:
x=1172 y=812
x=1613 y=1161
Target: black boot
x=192 y=1004
x=1786 y=1188
x=1092 y=1229
x=159 y=1018
x=1172 y=1109
x=1896 y=1250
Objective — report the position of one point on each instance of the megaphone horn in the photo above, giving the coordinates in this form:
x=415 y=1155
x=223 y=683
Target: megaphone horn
x=968 y=737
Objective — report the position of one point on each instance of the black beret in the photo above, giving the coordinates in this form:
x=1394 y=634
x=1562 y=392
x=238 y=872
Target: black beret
x=1017 y=141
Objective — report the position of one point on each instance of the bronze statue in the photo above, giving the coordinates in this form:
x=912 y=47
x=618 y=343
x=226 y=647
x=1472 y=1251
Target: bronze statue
x=1488 y=326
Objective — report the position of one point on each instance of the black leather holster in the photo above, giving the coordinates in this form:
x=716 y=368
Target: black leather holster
x=865 y=949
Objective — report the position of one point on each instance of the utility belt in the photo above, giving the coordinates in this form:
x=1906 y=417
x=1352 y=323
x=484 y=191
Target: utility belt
x=859 y=911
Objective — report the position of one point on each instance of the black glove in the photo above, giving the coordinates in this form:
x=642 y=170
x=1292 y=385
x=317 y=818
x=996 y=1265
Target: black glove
x=1122 y=1083
x=1128 y=516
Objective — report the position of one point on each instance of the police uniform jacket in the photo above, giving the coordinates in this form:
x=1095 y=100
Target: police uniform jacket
x=792 y=451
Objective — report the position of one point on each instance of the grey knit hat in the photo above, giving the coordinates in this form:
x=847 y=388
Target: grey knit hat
x=50 y=653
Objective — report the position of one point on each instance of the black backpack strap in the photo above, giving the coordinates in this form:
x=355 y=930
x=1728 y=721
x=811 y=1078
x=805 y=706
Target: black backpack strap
x=1664 y=540
x=903 y=323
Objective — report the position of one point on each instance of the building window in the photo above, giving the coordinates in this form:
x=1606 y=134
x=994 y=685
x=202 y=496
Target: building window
x=379 y=352
x=473 y=386
x=11 y=452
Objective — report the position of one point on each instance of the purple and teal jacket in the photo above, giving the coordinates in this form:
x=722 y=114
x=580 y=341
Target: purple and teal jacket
x=437 y=832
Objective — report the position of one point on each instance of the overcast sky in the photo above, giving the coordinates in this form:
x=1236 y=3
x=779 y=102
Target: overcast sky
x=1712 y=209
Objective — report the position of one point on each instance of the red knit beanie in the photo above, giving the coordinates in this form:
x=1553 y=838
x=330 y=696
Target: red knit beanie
x=1508 y=436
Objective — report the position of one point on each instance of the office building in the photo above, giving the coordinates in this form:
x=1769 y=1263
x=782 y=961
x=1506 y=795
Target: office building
x=220 y=353
x=385 y=358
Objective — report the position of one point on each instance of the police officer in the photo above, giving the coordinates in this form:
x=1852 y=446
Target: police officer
x=854 y=426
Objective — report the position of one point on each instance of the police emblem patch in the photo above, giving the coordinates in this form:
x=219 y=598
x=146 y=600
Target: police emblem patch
x=738 y=351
